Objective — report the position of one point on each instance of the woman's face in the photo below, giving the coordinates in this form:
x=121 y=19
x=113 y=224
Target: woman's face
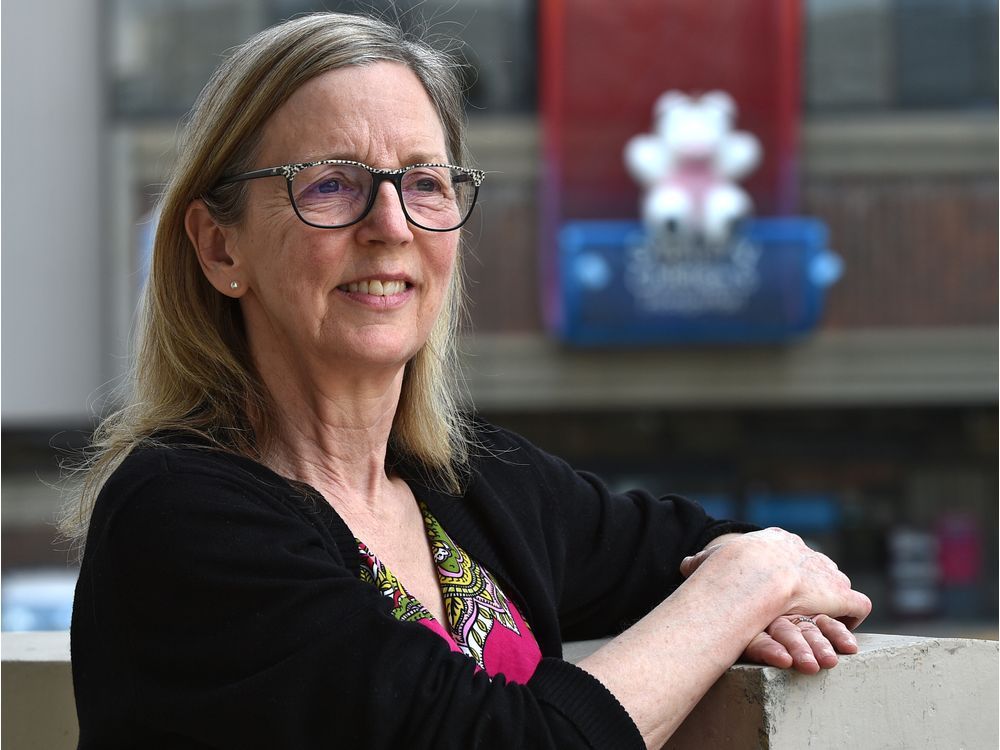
x=298 y=304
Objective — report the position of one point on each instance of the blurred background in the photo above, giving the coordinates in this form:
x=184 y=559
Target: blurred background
x=874 y=435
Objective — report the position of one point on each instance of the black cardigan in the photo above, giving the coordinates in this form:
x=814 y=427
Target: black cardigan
x=219 y=606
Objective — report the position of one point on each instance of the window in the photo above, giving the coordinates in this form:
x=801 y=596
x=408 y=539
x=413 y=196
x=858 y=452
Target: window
x=910 y=55
x=163 y=51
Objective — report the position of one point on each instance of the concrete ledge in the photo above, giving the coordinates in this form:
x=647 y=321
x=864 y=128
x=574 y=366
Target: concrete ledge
x=38 y=710
x=897 y=693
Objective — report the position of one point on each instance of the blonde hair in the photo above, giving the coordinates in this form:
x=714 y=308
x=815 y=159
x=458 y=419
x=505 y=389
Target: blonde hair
x=192 y=372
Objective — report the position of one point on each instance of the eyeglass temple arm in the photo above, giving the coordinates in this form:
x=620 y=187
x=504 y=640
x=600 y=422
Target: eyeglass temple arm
x=268 y=172
x=473 y=176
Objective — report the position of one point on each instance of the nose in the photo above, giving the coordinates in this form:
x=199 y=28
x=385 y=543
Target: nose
x=386 y=221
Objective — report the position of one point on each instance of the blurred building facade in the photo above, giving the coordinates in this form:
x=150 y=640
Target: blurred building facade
x=876 y=437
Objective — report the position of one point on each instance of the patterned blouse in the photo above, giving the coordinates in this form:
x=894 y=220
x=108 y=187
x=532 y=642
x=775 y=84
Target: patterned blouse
x=482 y=622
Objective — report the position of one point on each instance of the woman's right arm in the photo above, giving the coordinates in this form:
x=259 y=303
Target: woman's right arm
x=662 y=666
x=681 y=592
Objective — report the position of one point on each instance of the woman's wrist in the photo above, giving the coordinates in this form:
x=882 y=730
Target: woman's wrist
x=698 y=631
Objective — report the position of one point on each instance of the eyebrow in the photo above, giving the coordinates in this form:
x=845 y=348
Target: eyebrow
x=422 y=157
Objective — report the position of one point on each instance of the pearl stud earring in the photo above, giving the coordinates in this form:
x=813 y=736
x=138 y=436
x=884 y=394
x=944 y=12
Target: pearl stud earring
x=234 y=285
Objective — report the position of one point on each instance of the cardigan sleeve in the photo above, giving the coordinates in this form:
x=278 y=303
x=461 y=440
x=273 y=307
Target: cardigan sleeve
x=210 y=615
x=613 y=556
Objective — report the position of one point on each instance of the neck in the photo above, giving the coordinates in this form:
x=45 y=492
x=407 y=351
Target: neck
x=333 y=434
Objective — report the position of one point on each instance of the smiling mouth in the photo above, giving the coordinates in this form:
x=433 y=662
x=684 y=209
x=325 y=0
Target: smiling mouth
x=375 y=287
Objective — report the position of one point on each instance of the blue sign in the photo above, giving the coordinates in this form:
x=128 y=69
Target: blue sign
x=622 y=286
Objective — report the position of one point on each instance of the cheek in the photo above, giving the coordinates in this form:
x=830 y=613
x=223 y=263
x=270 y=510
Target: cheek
x=442 y=264
x=444 y=257
x=297 y=262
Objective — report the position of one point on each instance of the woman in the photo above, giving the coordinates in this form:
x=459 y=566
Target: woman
x=295 y=539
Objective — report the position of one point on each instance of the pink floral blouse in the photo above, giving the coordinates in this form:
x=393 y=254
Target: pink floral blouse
x=482 y=622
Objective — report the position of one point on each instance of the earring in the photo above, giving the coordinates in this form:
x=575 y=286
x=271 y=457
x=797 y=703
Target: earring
x=234 y=285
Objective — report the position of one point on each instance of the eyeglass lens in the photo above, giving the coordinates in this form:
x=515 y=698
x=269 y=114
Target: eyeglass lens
x=333 y=195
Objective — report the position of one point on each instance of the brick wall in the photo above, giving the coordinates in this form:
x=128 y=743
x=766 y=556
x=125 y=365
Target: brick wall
x=917 y=252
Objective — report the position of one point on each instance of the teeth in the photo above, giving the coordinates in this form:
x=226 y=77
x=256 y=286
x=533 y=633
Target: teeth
x=375 y=287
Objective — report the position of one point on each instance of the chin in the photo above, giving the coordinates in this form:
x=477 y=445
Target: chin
x=382 y=353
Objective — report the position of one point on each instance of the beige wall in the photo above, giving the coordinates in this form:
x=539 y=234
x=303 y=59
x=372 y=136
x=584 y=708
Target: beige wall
x=897 y=692
x=53 y=306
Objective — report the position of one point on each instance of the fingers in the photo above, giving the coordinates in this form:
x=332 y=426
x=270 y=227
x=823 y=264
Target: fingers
x=854 y=607
x=763 y=649
x=862 y=606
x=822 y=650
x=837 y=634
x=690 y=564
x=810 y=643
x=800 y=642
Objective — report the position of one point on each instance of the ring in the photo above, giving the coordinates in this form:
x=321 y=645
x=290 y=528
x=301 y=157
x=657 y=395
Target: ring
x=802 y=618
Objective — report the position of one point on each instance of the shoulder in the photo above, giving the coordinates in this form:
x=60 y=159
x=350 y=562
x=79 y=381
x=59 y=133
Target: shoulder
x=180 y=513
x=495 y=447
x=509 y=470
x=159 y=467
x=176 y=458
x=500 y=455
x=170 y=482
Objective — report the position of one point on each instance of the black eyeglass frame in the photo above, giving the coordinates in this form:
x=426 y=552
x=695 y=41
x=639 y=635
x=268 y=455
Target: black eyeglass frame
x=395 y=176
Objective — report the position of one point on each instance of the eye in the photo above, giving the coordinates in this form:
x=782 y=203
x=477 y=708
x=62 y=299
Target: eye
x=330 y=181
x=327 y=186
x=429 y=181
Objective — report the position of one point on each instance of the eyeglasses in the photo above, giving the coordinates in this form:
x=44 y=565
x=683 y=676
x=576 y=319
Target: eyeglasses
x=335 y=193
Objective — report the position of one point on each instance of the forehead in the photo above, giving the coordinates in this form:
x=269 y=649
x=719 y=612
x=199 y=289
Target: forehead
x=378 y=113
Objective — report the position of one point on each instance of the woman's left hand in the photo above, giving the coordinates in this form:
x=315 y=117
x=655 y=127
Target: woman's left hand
x=807 y=644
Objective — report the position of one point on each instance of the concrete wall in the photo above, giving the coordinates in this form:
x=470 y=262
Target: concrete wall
x=37 y=712
x=897 y=693
x=53 y=311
